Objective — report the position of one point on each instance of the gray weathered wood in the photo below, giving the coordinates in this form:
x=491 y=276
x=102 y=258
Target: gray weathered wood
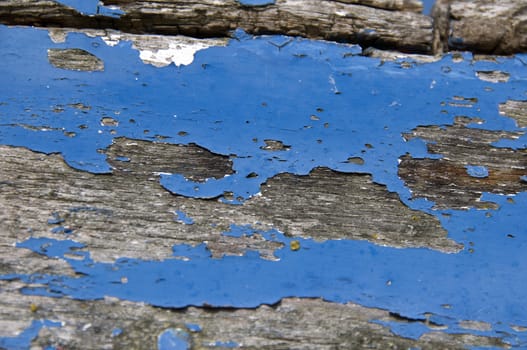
x=127 y=213
x=103 y=211
x=291 y=324
x=75 y=59
x=516 y=110
x=489 y=26
x=324 y=19
x=446 y=181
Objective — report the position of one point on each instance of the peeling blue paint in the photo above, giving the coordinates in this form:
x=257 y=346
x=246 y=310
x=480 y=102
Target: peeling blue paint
x=56 y=219
x=92 y=7
x=427 y=6
x=23 y=340
x=173 y=339
x=193 y=327
x=61 y=229
x=478 y=171
x=117 y=332
x=256 y=2
x=226 y=344
x=183 y=218
x=327 y=103
x=483 y=285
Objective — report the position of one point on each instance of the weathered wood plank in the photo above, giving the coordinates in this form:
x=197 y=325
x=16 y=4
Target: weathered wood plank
x=447 y=182
x=488 y=26
x=330 y=20
x=291 y=324
x=103 y=211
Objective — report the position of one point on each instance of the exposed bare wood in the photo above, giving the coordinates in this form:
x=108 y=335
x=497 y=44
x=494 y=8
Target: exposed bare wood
x=516 y=110
x=489 y=26
x=291 y=324
x=331 y=20
x=103 y=211
x=75 y=59
x=446 y=181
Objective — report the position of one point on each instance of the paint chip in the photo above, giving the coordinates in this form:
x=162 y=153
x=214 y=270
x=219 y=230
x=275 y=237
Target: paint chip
x=477 y=171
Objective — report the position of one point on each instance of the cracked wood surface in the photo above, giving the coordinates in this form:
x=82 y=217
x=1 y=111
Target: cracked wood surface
x=446 y=181
x=487 y=26
x=290 y=324
x=107 y=211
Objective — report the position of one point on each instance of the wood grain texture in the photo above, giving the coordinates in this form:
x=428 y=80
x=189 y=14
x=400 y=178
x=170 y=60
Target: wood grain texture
x=349 y=21
x=446 y=181
x=489 y=26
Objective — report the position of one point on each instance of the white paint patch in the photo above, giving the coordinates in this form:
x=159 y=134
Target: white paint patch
x=157 y=50
x=179 y=54
x=162 y=50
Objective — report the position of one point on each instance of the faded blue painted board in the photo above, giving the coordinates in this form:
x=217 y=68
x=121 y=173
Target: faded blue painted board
x=326 y=103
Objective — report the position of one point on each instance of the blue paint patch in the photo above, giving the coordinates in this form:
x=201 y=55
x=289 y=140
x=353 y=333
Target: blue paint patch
x=110 y=11
x=239 y=231
x=173 y=339
x=411 y=330
x=256 y=2
x=61 y=229
x=478 y=171
x=326 y=103
x=427 y=6
x=56 y=219
x=188 y=252
x=92 y=7
x=23 y=340
x=226 y=344
x=183 y=218
x=50 y=247
x=193 y=327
